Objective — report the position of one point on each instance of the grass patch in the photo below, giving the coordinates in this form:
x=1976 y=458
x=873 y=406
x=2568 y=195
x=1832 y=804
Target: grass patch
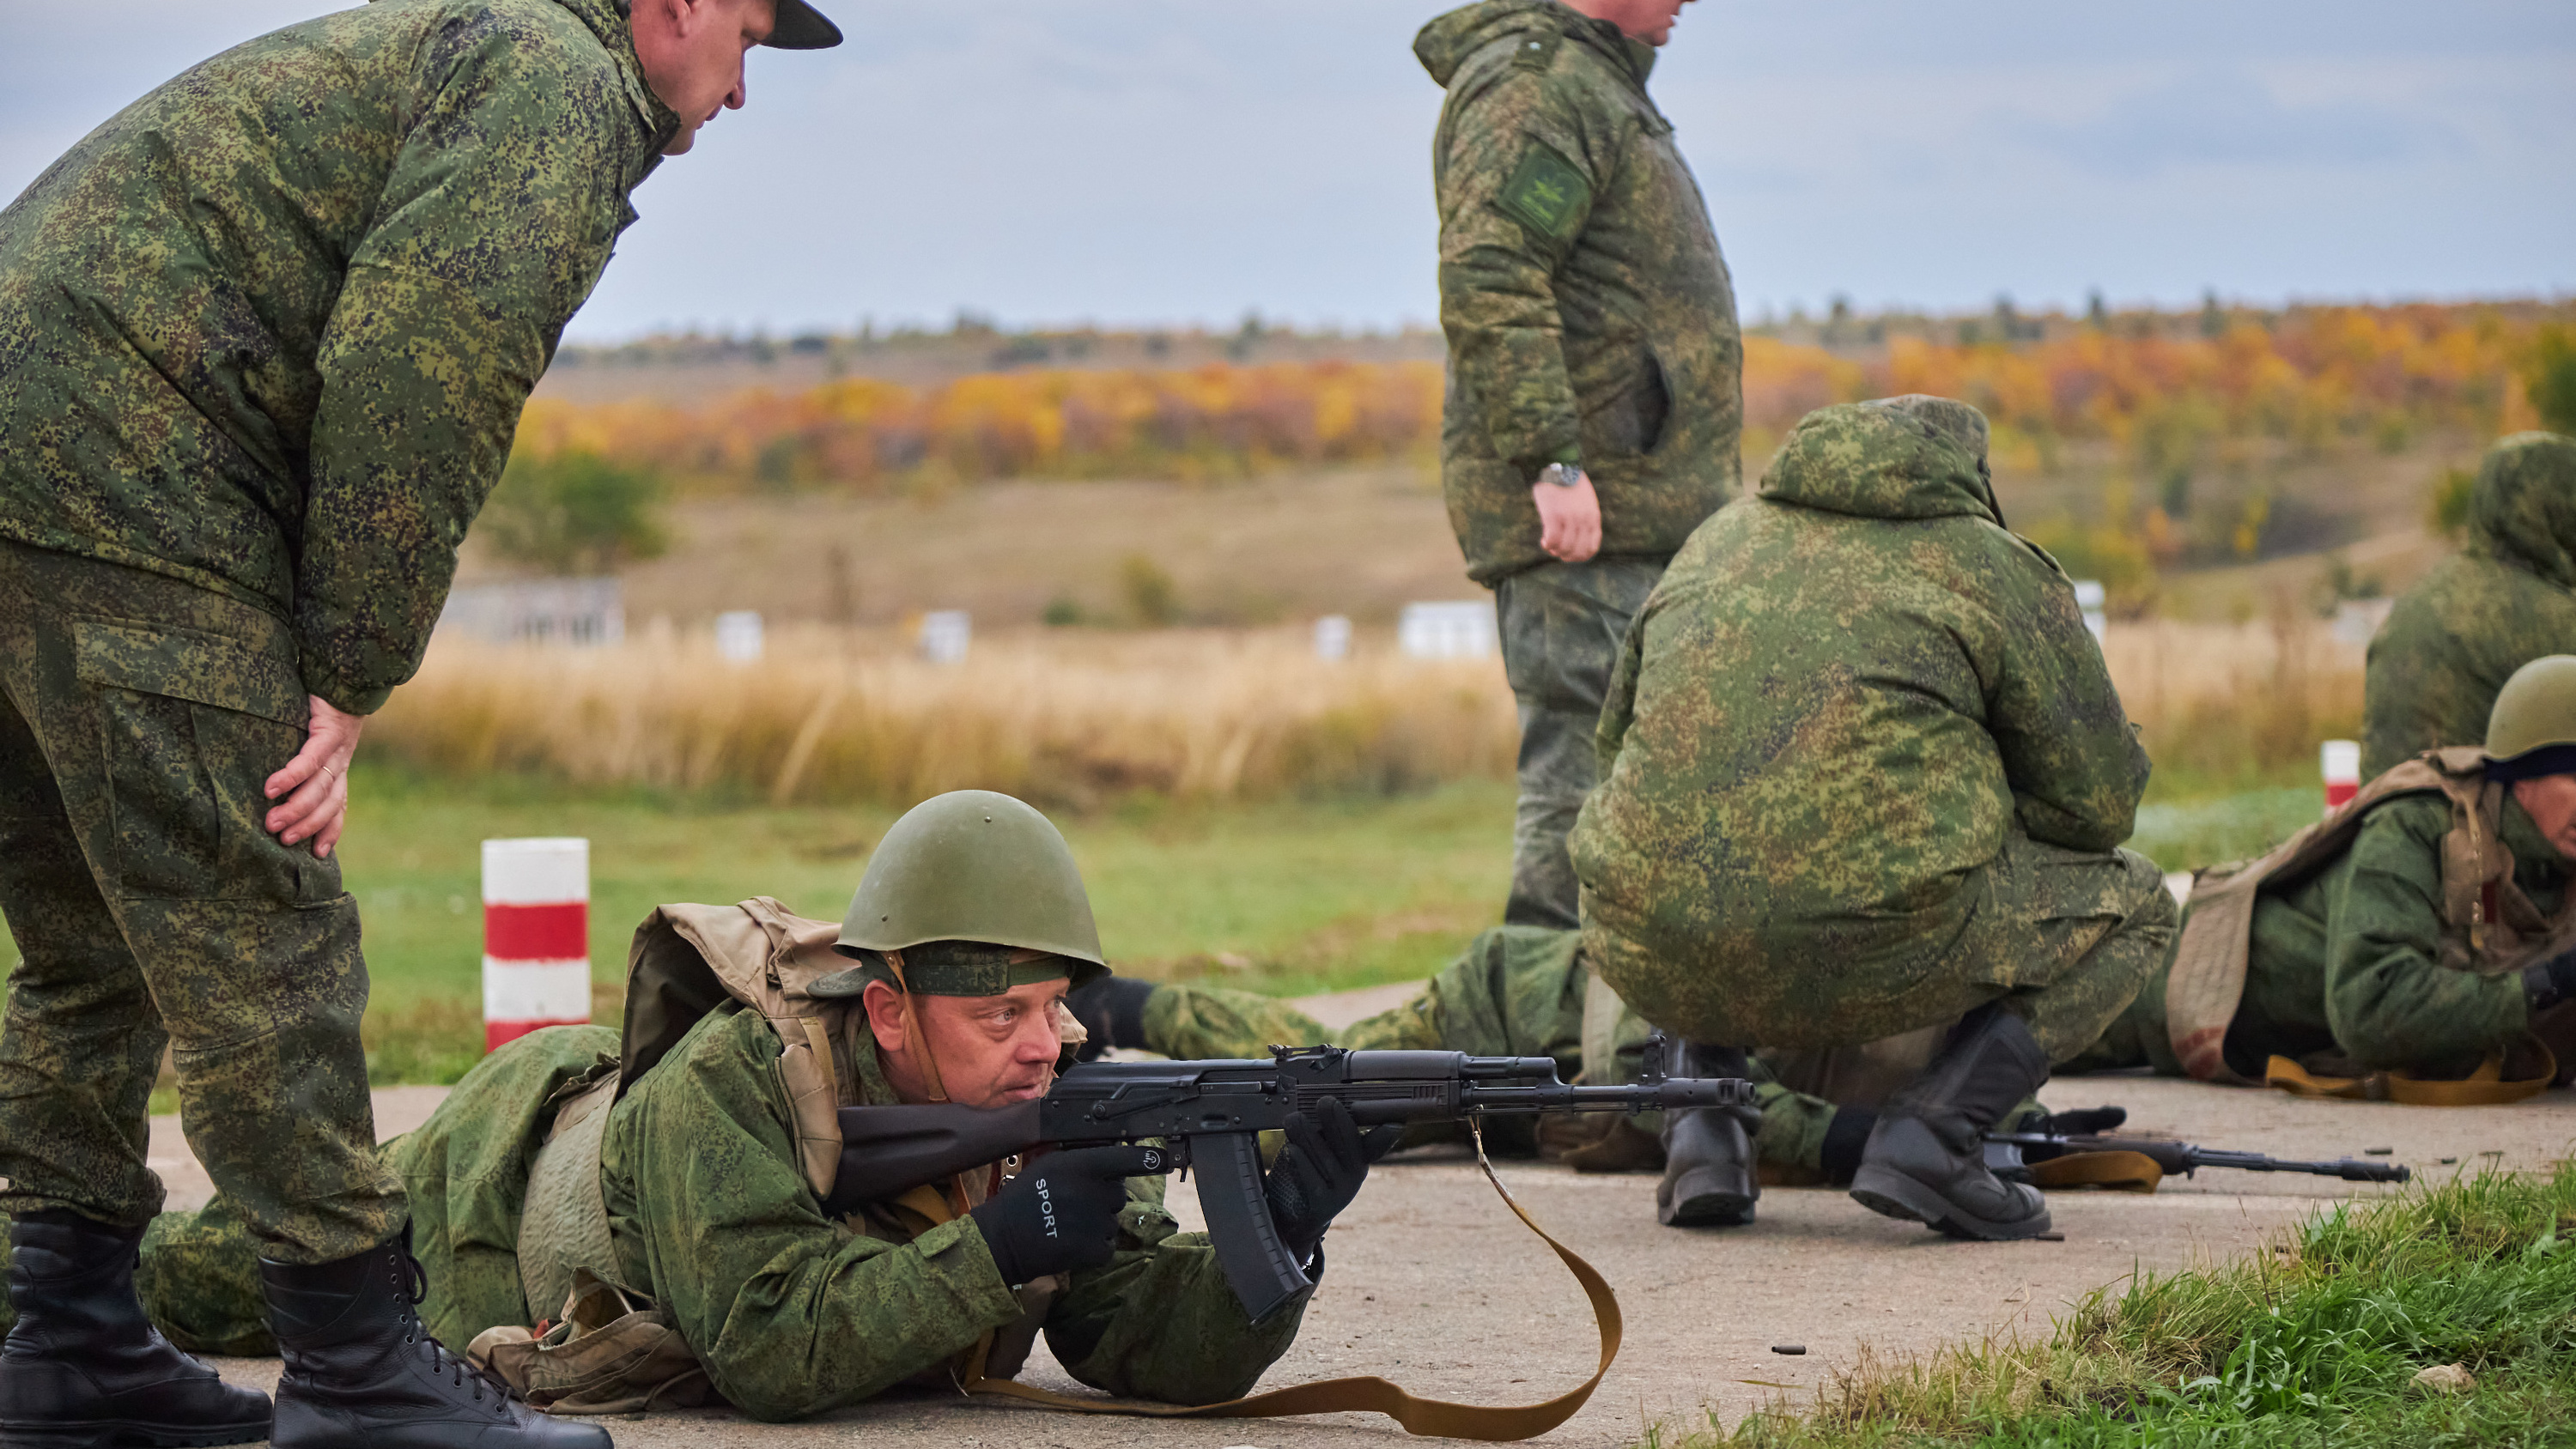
x=2313 y=1343
x=2186 y=834
x=1288 y=897
x=1284 y=897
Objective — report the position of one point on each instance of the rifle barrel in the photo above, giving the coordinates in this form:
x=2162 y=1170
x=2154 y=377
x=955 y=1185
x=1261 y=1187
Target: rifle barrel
x=2184 y=1157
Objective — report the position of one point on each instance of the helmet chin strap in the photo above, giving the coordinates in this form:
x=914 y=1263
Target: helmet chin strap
x=913 y=1041
x=919 y=1046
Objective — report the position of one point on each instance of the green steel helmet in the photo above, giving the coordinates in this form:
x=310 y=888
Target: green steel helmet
x=980 y=894
x=2536 y=710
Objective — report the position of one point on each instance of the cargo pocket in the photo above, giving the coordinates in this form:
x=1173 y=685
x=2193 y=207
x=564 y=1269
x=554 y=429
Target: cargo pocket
x=194 y=723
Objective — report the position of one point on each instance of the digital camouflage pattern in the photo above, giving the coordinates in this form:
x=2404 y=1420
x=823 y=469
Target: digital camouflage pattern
x=1561 y=626
x=1863 y=767
x=2508 y=598
x=2345 y=973
x=1515 y=991
x=139 y=716
x=791 y=1313
x=1588 y=309
x=269 y=329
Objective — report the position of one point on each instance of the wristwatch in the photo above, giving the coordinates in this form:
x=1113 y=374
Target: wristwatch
x=1561 y=475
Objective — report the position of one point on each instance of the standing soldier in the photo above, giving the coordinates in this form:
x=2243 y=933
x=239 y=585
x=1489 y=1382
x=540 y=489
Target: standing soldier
x=264 y=338
x=2509 y=598
x=1595 y=395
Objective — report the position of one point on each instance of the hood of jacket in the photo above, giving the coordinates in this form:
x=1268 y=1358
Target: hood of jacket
x=2522 y=510
x=1891 y=458
x=1444 y=45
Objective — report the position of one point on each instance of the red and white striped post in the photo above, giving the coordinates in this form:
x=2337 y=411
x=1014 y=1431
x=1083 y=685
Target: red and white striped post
x=536 y=936
x=2340 y=762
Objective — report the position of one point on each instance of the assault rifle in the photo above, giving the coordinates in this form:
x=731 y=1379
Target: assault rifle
x=1209 y=1114
x=2184 y=1159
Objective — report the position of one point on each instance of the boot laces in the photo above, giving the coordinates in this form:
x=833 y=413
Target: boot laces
x=461 y=1372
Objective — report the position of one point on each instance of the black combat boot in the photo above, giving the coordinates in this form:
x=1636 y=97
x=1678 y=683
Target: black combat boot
x=1926 y=1160
x=1708 y=1151
x=84 y=1369
x=362 y=1373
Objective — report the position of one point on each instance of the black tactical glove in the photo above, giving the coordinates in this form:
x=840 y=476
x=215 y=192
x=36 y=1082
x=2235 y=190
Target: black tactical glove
x=1061 y=1212
x=2547 y=983
x=1320 y=1170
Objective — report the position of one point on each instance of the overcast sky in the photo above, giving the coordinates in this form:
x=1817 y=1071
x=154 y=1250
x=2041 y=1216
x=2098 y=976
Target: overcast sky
x=1178 y=161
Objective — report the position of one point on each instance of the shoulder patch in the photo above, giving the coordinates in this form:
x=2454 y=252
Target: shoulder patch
x=1547 y=194
x=1537 y=52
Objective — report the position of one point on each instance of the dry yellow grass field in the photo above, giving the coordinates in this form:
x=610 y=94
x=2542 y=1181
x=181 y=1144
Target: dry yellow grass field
x=1080 y=717
x=1067 y=717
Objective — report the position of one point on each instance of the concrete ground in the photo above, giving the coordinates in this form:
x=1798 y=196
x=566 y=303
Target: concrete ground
x=1433 y=1284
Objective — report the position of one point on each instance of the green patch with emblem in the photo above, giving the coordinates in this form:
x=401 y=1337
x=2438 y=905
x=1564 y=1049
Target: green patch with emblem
x=1547 y=194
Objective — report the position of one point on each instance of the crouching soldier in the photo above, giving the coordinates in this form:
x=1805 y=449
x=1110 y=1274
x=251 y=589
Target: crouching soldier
x=2415 y=938
x=2508 y=598
x=685 y=1173
x=1864 y=773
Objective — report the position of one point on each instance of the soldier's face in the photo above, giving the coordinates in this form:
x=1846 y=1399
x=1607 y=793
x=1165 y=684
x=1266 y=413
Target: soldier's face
x=692 y=52
x=991 y=1050
x=2550 y=801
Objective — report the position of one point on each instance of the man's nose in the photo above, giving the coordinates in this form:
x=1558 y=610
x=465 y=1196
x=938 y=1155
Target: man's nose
x=740 y=93
x=1039 y=1042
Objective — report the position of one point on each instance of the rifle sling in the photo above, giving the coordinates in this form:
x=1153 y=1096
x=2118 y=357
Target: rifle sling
x=2118 y=1171
x=1370 y=1394
x=2488 y=1086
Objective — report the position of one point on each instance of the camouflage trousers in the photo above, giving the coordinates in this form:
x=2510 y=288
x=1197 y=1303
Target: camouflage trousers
x=139 y=720
x=1516 y=991
x=1561 y=626
x=2065 y=938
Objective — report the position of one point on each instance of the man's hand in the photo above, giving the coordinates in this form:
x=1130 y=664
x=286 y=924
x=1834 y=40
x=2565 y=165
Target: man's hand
x=1569 y=519
x=1061 y=1213
x=1320 y=1170
x=312 y=792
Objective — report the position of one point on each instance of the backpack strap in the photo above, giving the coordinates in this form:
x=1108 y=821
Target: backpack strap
x=2207 y=979
x=688 y=959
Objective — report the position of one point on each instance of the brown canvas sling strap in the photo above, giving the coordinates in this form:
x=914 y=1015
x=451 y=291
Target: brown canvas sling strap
x=1432 y=1417
x=2117 y=1171
x=2532 y=1063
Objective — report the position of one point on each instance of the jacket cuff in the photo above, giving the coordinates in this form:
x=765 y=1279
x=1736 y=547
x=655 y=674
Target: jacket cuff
x=956 y=1258
x=341 y=694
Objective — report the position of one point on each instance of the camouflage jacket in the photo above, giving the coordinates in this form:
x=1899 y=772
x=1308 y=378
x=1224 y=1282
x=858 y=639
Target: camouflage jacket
x=793 y=1313
x=1589 y=313
x=1834 y=706
x=270 y=327
x=2509 y=598
x=2349 y=960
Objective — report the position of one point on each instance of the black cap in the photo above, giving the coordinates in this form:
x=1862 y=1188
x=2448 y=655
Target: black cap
x=802 y=27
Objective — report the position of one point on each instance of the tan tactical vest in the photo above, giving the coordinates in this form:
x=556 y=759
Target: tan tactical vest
x=685 y=961
x=2493 y=928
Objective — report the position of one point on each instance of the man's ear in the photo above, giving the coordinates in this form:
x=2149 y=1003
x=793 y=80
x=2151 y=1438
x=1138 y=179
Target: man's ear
x=885 y=1007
